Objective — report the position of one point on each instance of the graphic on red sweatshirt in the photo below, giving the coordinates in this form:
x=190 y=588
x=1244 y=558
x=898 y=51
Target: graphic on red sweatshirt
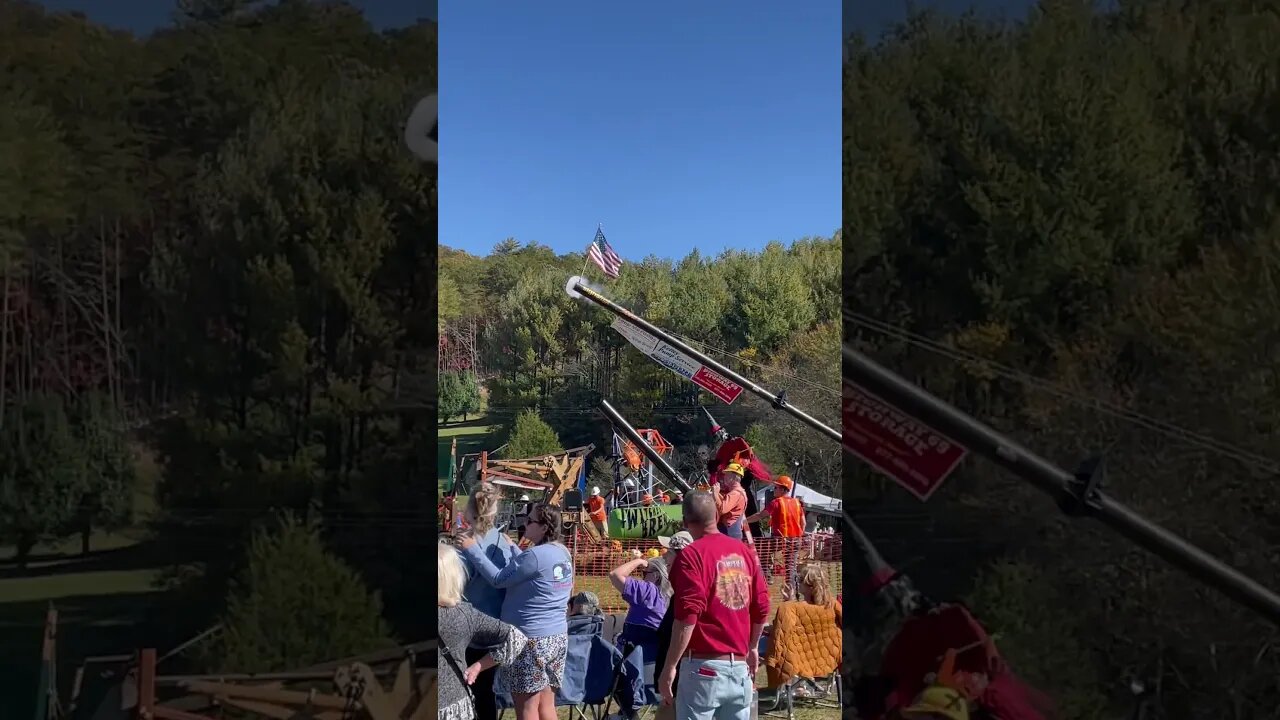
x=733 y=582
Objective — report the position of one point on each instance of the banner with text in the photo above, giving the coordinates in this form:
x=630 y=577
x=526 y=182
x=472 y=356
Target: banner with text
x=679 y=363
x=914 y=455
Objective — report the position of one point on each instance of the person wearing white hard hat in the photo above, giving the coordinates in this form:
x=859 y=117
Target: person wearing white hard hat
x=596 y=513
x=521 y=515
x=627 y=493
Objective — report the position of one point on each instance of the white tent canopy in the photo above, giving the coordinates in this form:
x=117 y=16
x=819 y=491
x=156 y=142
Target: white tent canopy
x=812 y=499
x=815 y=499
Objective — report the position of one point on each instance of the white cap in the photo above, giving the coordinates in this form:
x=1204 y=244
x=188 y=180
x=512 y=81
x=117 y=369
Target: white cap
x=679 y=541
x=595 y=491
x=524 y=498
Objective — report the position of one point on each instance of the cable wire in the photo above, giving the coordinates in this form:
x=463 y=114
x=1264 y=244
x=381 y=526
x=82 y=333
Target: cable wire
x=1241 y=455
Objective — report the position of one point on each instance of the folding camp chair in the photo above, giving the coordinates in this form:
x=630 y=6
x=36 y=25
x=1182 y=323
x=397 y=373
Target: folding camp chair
x=804 y=652
x=588 y=668
x=632 y=663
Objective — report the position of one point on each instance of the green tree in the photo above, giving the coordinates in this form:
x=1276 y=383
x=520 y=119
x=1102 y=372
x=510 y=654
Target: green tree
x=459 y=395
x=110 y=475
x=771 y=298
x=1087 y=197
x=42 y=474
x=450 y=301
x=531 y=437
x=1010 y=598
x=761 y=438
x=700 y=297
x=296 y=605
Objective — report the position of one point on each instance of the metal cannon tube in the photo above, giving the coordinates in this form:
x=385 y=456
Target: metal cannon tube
x=577 y=287
x=1069 y=490
x=658 y=461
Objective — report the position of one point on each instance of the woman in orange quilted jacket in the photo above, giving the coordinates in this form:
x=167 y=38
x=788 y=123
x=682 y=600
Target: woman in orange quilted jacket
x=805 y=638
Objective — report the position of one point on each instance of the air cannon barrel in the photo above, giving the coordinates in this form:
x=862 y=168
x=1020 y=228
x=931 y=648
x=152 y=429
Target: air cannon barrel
x=658 y=461
x=1077 y=493
x=578 y=288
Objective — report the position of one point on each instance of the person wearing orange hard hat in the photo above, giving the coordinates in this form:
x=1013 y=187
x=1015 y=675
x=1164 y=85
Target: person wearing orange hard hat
x=786 y=521
x=785 y=512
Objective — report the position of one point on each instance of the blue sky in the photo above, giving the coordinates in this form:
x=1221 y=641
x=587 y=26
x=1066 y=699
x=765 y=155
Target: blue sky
x=711 y=125
x=143 y=16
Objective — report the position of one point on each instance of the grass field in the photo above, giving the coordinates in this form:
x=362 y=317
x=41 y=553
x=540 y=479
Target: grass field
x=107 y=601
x=472 y=436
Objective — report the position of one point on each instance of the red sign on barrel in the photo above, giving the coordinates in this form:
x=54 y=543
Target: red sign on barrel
x=914 y=455
x=716 y=384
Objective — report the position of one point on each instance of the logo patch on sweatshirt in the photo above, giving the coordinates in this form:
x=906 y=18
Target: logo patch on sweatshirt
x=733 y=582
x=561 y=572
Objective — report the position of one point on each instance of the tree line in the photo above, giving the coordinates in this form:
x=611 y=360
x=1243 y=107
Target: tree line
x=771 y=315
x=216 y=249
x=1068 y=227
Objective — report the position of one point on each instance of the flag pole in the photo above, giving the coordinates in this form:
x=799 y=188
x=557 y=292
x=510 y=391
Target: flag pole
x=586 y=257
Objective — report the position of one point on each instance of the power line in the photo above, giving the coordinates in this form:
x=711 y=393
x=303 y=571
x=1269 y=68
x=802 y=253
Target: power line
x=1241 y=455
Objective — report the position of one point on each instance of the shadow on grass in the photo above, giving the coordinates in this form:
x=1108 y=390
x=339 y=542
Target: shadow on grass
x=142 y=556
x=475 y=422
x=88 y=625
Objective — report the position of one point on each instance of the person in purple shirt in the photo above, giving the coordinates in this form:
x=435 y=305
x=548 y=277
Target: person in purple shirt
x=646 y=600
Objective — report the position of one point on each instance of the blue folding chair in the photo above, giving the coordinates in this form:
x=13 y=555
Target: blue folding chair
x=588 y=672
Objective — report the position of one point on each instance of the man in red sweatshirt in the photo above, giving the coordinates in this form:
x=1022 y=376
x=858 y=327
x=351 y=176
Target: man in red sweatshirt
x=721 y=603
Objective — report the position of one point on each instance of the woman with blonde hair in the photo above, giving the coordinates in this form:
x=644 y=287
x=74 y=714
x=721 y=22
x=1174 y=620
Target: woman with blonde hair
x=481 y=513
x=800 y=640
x=461 y=626
x=814 y=587
x=538 y=584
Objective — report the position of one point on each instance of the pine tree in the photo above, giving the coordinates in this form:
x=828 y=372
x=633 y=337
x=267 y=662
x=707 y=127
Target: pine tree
x=42 y=474
x=296 y=605
x=531 y=437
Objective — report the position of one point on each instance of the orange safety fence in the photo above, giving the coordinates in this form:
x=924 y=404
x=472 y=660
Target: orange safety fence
x=594 y=559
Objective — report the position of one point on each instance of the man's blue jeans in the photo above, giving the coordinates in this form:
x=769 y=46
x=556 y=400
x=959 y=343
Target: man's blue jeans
x=714 y=690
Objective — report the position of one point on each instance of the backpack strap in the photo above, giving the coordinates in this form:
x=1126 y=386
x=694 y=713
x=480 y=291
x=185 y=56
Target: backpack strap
x=457 y=668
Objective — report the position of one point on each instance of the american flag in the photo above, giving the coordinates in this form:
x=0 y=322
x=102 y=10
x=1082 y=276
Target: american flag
x=603 y=255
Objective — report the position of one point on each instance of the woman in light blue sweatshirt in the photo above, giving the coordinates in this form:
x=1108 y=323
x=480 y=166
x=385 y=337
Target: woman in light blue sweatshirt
x=538 y=583
x=481 y=514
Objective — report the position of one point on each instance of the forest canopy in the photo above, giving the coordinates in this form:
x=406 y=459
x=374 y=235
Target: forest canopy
x=217 y=253
x=1068 y=227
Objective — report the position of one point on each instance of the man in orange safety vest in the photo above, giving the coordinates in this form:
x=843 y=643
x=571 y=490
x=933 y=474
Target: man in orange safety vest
x=785 y=513
x=786 y=521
